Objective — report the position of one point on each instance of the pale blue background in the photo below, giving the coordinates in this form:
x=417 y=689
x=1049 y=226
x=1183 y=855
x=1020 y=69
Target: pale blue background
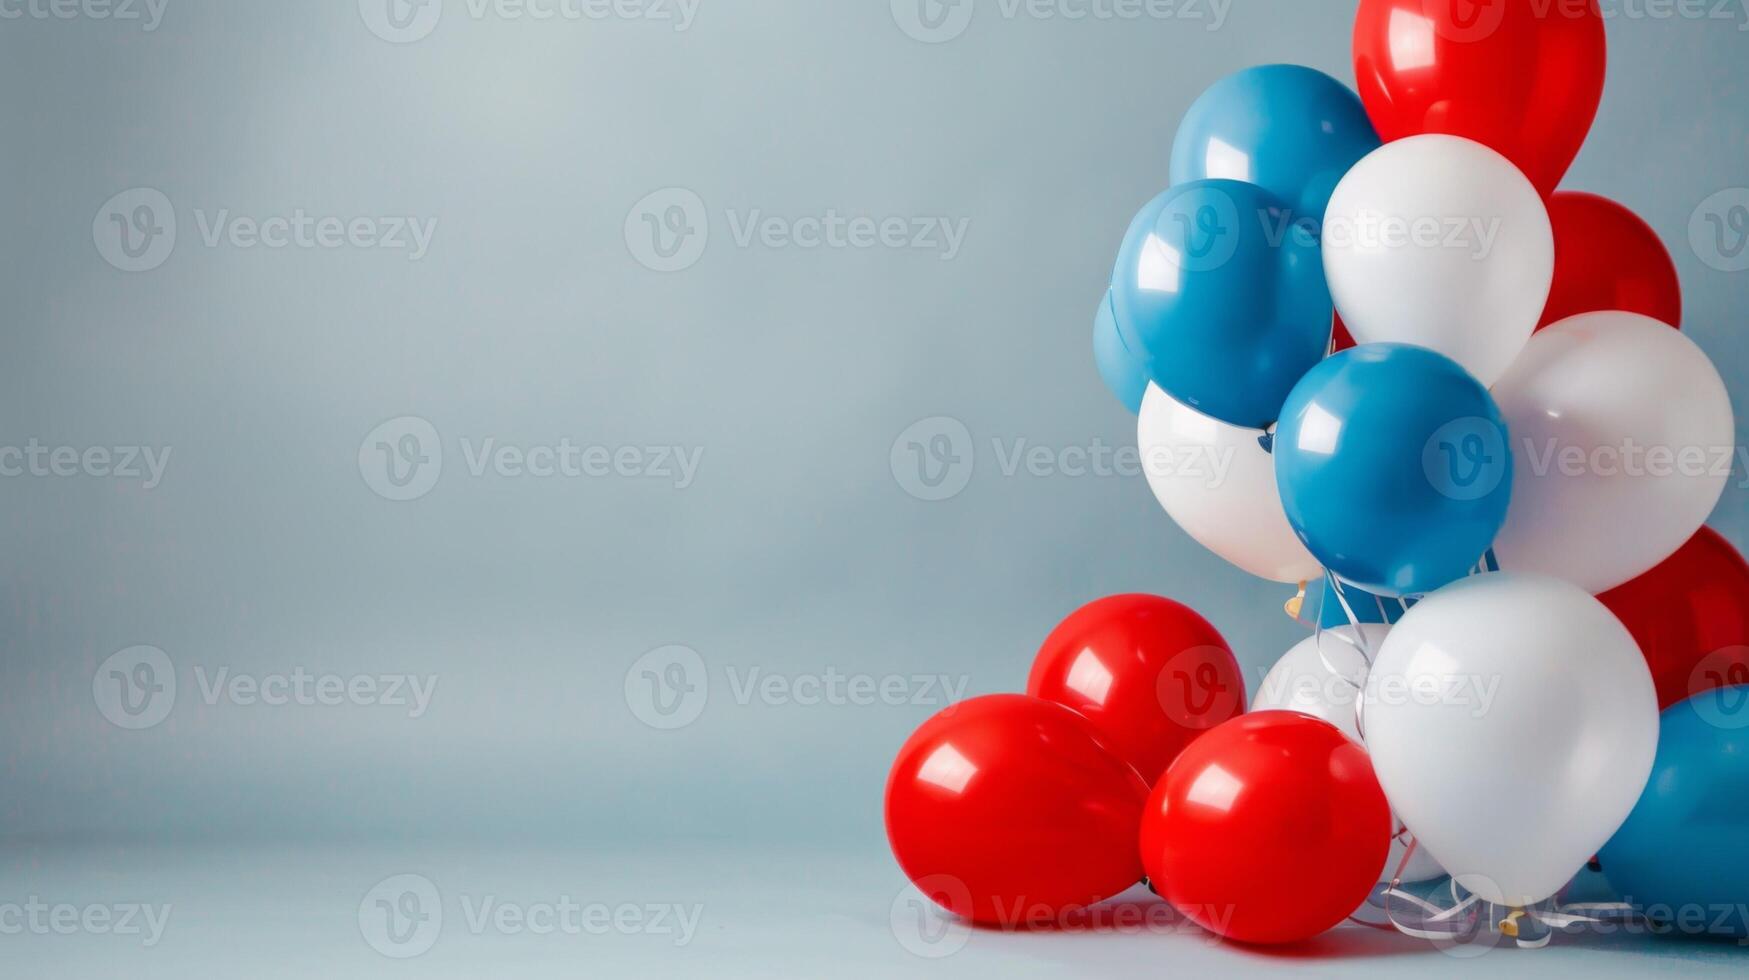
x=794 y=371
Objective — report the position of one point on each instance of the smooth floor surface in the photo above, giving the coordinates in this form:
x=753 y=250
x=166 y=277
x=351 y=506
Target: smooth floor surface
x=530 y=911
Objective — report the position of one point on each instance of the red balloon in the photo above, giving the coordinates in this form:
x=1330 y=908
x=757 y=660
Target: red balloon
x=1269 y=829
x=1004 y=806
x=1149 y=673
x=1690 y=616
x=1606 y=258
x=1524 y=78
x=1340 y=338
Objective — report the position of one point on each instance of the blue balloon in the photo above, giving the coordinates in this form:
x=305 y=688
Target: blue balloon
x=1223 y=297
x=1682 y=857
x=1124 y=373
x=1292 y=130
x=1393 y=466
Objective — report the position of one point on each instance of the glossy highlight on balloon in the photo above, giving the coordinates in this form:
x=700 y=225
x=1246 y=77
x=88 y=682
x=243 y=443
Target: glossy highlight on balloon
x=1002 y=805
x=1522 y=77
x=1150 y=673
x=1269 y=829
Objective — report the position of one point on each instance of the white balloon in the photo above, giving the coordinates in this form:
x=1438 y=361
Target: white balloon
x=1304 y=681
x=1218 y=482
x=1512 y=722
x=1622 y=437
x=1440 y=242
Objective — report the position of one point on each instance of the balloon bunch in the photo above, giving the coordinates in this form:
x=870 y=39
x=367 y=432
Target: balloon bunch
x=1370 y=342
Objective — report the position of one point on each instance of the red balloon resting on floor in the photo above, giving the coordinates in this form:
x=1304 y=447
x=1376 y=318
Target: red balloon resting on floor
x=1271 y=828
x=1007 y=808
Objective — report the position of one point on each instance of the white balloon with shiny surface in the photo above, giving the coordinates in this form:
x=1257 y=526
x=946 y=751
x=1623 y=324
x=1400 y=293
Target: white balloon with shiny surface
x=1622 y=437
x=1218 y=482
x=1512 y=723
x=1440 y=242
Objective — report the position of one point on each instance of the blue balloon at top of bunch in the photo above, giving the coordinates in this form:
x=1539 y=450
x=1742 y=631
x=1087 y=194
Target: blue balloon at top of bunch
x=1291 y=130
x=1219 y=287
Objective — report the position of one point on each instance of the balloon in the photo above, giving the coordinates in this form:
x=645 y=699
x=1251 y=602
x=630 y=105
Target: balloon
x=1223 y=295
x=1149 y=673
x=1268 y=829
x=1218 y=482
x=1680 y=857
x=1522 y=78
x=1606 y=258
x=1340 y=338
x=1440 y=242
x=1293 y=131
x=1304 y=681
x=1512 y=722
x=1003 y=804
x=1622 y=438
x=1314 y=677
x=1690 y=616
x=1393 y=467
x=1122 y=371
